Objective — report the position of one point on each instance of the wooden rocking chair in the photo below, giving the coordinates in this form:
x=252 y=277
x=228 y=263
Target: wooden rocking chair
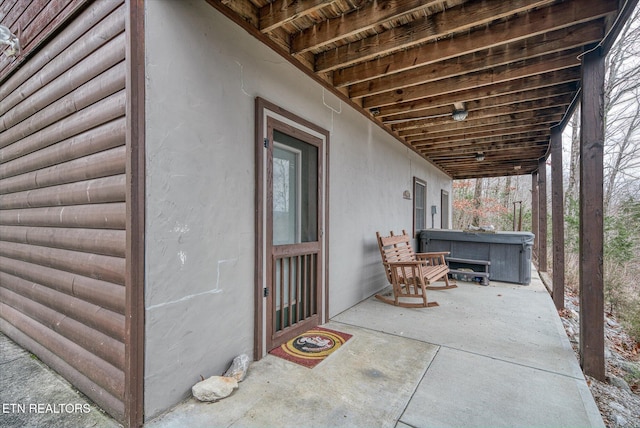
x=411 y=274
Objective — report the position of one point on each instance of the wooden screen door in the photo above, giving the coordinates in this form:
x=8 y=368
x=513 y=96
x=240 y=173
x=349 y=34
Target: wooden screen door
x=293 y=232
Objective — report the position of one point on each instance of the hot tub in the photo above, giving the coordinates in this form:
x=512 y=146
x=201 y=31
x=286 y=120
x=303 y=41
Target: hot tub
x=508 y=252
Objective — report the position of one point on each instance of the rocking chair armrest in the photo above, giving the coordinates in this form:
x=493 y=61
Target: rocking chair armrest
x=433 y=258
x=432 y=254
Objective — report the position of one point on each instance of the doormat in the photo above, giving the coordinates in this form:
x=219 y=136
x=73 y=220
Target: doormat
x=311 y=347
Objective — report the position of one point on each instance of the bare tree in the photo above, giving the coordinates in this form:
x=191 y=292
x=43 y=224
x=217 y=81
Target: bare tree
x=622 y=113
x=477 y=202
x=571 y=193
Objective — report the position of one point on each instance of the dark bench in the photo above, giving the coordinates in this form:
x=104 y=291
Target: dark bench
x=485 y=264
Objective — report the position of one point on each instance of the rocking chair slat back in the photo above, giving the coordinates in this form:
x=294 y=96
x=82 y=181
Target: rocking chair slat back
x=409 y=273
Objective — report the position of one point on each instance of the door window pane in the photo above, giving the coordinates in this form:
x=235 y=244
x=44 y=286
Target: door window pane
x=295 y=190
x=419 y=205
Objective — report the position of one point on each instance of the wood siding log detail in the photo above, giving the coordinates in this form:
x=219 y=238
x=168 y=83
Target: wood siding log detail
x=99 y=191
x=101 y=112
x=88 y=20
x=103 y=164
x=103 y=216
x=96 y=317
x=97 y=139
x=96 y=342
x=101 y=293
x=98 y=241
x=100 y=87
x=103 y=268
x=87 y=363
x=107 y=401
x=63 y=193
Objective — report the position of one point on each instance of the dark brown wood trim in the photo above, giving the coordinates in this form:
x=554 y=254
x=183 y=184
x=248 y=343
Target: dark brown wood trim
x=259 y=218
x=135 y=251
x=557 y=218
x=279 y=338
x=260 y=105
x=325 y=232
x=534 y=215
x=542 y=212
x=421 y=182
x=444 y=219
x=591 y=216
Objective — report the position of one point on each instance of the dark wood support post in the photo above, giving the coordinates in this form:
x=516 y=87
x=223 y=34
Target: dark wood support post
x=534 y=215
x=542 y=211
x=557 y=218
x=591 y=216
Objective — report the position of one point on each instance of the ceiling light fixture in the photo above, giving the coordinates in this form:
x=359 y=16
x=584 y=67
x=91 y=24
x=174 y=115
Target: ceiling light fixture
x=459 y=111
x=459 y=115
x=479 y=156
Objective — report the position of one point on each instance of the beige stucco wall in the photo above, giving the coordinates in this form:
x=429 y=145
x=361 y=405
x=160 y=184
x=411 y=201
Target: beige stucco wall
x=203 y=74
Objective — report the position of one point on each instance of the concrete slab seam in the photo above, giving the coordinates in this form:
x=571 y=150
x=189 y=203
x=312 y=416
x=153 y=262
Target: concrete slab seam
x=417 y=385
x=513 y=363
x=385 y=332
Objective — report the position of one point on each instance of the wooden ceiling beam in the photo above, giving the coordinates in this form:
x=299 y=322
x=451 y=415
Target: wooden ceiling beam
x=281 y=12
x=244 y=9
x=423 y=140
x=571 y=75
x=492 y=146
x=504 y=123
x=517 y=154
x=493 y=170
x=436 y=155
x=496 y=171
x=531 y=148
x=545 y=44
x=470 y=168
x=566 y=14
x=494 y=101
x=365 y=18
x=509 y=109
x=429 y=28
x=483 y=111
x=495 y=148
x=472 y=142
x=529 y=68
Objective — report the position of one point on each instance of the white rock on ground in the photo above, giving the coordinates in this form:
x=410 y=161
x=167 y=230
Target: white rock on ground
x=214 y=388
x=239 y=367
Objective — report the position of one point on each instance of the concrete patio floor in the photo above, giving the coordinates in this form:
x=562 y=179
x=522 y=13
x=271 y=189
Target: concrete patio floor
x=492 y=355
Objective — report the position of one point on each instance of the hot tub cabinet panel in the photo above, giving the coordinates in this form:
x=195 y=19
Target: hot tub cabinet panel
x=508 y=252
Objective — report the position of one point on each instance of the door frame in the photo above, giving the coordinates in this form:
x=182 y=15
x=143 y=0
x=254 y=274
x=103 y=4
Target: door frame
x=263 y=111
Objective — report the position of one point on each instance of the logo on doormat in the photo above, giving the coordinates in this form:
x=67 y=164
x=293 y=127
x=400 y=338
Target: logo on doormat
x=311 y=347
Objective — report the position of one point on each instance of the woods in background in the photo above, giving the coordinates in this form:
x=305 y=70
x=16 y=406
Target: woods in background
x=490 y=201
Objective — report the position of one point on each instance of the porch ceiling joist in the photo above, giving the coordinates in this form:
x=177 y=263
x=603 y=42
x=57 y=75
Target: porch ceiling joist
x=514 y=66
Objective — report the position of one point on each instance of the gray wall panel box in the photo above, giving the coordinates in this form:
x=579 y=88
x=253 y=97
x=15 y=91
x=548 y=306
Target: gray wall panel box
x=508 y=252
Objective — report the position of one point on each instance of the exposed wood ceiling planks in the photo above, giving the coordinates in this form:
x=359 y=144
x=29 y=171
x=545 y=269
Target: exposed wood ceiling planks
x=515 y=65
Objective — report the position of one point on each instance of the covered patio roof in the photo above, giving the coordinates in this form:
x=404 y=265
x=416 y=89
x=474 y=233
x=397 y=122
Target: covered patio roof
x=514 y=67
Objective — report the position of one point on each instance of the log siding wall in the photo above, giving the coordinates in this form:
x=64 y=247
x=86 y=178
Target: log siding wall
x=63 y=187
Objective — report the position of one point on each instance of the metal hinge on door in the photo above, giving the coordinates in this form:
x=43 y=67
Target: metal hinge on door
x=265 y=292
x=266 y=143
